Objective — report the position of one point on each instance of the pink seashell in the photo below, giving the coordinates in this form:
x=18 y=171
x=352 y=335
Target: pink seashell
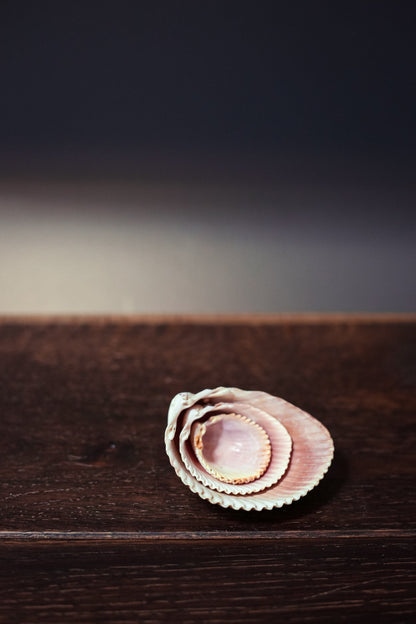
x=277 y=434
x=245 y=449
x=231 y=447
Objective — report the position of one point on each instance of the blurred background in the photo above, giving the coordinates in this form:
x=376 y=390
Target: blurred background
x=182 y=156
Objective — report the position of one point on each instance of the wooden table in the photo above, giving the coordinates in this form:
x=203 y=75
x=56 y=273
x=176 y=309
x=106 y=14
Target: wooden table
x=96 y=526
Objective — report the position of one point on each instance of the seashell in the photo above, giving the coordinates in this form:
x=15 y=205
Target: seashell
x=231 y=447
x=245 y=449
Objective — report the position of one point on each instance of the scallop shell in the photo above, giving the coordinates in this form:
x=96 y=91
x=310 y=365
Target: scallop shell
x=231 y=448
x=245 y=449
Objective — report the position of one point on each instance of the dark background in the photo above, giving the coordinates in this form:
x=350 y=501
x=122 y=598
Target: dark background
x=213 y=75
x=207 y=156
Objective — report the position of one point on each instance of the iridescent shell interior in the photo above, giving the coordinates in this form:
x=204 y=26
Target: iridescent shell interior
x=245 y=449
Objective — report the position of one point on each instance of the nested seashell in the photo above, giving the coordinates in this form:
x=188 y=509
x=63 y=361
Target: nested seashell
x=245 y=449
x=232 y=448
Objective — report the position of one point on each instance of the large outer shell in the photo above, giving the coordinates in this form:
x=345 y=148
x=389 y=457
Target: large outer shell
x=312 y=448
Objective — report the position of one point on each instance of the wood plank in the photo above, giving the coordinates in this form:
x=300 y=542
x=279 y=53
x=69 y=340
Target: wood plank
x=158 y=537
x=83 y=409
x=316 y=580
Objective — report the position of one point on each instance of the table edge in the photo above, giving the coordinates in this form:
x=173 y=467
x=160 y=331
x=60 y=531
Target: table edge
x=210 y=319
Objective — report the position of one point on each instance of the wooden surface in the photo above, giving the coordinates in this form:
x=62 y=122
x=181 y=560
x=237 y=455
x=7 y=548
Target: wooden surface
x=96 y=526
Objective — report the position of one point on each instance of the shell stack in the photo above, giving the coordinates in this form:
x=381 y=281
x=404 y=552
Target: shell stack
x=246 y=449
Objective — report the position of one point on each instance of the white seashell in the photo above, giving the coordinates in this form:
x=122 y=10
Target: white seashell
x=245 y=449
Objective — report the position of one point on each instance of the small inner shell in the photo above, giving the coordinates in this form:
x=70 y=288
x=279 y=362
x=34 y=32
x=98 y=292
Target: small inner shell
x=231 y=447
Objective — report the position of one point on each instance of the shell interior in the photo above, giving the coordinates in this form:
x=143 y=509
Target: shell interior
x=231 y=447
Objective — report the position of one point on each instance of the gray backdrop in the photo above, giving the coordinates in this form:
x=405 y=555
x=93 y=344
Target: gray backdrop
x=207 y=156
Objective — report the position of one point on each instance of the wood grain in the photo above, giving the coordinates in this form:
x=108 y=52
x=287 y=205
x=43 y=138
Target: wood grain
x=85 y=482
x=311 y=580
